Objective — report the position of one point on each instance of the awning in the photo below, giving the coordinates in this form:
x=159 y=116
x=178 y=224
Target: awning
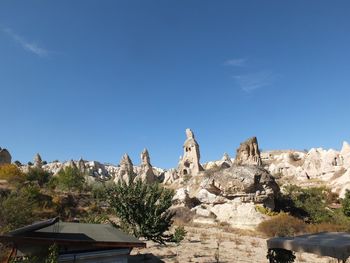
x=331 y=244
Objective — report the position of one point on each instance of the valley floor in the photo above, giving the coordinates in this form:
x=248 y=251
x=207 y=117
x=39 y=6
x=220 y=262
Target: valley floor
x=211 y=244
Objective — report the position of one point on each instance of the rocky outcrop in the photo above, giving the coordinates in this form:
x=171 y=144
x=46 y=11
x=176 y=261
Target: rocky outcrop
x=38 y=163
x=189 y=163
x=248 y=153
x=226 y=161
x=231 y=195
x=170 y=176
x=345 y=153
x=5 y=156
x=145 y=172
x=248 y=183
x=126 y=170
x=81 y=166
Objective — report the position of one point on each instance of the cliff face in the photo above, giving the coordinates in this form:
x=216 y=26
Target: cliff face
x=317 y=166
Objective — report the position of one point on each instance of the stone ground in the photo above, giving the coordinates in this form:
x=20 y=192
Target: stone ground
x=212 y=244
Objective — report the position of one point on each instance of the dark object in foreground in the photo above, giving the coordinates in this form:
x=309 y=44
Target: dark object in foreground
x=331 y=244
x=85 y=242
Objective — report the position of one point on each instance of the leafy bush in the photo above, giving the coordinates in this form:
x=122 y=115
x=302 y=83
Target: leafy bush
x=11 y=173
x=179 y=235
x=16 y=210
x=39 y=175
x=346 y=203
x=282 y=225
x=143 y=209
x=265 y=211
x=70 y=178
x=309 y=203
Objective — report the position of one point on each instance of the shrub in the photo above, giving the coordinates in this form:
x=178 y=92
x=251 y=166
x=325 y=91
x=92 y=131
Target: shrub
x=16 y=210
x=70 y=178
x=310 y=203
x=143 y=209
x=11 y=173
x=39 y=175
x=179 y=234
x=346 y=203
x=282 y=225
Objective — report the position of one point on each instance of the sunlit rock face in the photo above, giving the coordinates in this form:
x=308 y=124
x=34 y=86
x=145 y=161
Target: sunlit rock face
x=189 y=163
x=248 y=153
x=145 y=171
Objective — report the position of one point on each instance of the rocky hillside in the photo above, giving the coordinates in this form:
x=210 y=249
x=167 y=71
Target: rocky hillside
x=227 y=190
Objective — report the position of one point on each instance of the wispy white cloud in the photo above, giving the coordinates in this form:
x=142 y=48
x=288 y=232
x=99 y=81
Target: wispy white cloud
x=236 y=62
x=252 y=81
x=26 y=45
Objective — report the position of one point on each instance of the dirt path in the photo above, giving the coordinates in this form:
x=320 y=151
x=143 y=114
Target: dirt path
x=210 y=244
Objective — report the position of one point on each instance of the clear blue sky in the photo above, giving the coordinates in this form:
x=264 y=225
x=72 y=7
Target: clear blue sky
x=100 y=78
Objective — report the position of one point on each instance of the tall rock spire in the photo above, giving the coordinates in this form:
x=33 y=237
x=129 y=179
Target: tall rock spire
x=189 y=163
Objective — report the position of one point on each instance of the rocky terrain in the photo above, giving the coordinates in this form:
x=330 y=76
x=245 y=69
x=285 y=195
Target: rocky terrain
x=227 y=190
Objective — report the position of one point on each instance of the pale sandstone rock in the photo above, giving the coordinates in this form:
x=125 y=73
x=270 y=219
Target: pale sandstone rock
x=189 y=163
x=126 y=171
x=38 y=163
x=345 y=153
x=146 y=171
x=243 y=182
x=248 y=153
x=170 y=176
x=181 y=197
x=238 y=214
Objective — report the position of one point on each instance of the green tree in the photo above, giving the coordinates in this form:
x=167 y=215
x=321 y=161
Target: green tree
x=143 y=209
x=310 y=203
x=346 y=203
x=70 y=178
x=38 y=174
x=16 y=210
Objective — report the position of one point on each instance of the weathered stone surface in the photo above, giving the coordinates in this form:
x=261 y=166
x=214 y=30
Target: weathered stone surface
x=126 y=171
x=81 y=165
x=38 y=163
x=205 y=197
x=170 y=176
x=5 y=156
x=237 y=214
x=345 y=153
x=189 y=163
x=146 y=173
x=226 y=161
x=248 y=153
x=248 y=183
x=181 y=197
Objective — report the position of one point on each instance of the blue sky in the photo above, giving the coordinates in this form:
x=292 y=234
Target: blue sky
x=100 y=78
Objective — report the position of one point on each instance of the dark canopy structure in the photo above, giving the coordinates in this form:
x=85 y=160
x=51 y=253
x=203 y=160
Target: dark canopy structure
x=331 y=244
x=71 y=238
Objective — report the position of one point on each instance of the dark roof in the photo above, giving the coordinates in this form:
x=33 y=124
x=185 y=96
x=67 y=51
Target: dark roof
x=33 y=227
x=49 y=231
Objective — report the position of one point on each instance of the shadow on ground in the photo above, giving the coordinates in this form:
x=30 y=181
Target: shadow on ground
x=149 y=257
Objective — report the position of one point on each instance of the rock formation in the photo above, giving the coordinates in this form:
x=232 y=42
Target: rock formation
x=226 y=161
x=248 y=153
x=231 y=195
x=146 y=173
x=126 y=171
x=170 y=176
x=189 y=163
x=249 y=183
x=5 y=156
x=38 y=163
x=81 y=165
